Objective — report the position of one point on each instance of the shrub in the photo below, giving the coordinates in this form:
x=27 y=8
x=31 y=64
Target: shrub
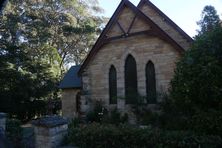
x=98 y=113
x=101 y=115
x=197 y=86
x=74 y=123
x=209 y=122
x=115 y=117
x=109 y=136
x=197 y=81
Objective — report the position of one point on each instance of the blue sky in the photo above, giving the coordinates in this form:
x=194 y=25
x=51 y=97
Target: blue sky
x=184 y=13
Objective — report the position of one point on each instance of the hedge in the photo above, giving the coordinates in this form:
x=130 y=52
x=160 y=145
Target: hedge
x=109 y=136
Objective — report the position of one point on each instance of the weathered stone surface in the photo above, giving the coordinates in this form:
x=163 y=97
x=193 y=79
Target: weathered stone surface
x=69 y=103
x=50 y=121
x=160 y=21
x=3 y=115
x=49 y=132
x=143 y=49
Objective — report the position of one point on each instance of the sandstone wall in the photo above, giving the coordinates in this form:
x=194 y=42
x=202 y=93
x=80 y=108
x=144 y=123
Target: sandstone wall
x=163 y=24
x=69 y=103
x=143 y=49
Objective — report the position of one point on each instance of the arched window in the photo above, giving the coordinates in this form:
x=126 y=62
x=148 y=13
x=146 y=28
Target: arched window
x=130 y=80
x=150 y=83
x=112 y=85
x=78 y=102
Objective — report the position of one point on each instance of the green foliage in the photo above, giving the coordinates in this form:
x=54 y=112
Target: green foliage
x=14 y=131
x=198 y=80
x=26 y=83
x=209 y=19
x=115 y=117
x=197 y=85
x=209 y=122
x=147 y=117
x=97 y=114
x=74 y=123
x=37 y=38
x=99 y=136
x=61 y=30
x=101 y=115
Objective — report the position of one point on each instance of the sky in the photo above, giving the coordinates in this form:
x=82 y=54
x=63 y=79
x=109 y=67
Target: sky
x=185 y=13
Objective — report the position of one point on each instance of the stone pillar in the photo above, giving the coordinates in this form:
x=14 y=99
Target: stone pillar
x=49 y=131
x=2 y=122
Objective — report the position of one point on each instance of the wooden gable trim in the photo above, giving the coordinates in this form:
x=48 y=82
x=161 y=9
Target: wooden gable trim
x=158 y=31
x=103 y=38
x=146 y=32
x=166 y=18
x=131 y=25
x=121 y=28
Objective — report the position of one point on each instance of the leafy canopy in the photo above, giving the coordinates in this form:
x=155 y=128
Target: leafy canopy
x=209 y=19
x=37 y=38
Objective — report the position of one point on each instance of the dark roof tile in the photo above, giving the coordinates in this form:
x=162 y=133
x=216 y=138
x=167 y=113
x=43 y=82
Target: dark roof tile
x=71 y=79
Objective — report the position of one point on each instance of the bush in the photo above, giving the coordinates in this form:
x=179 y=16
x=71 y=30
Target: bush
x=14 y=131
x=109 y=136
x=197 y=81
x=197 y=87
x=74 y=123
x=98 y=113
x=115 y=117
x=101 y=115
x=209 y=122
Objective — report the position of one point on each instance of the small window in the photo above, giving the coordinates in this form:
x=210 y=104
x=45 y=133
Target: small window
x=150 y=83
x=112 y=85
x=130 y=80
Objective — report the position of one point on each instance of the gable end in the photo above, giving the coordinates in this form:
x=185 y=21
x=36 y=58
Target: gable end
x=154 y=31
x=166 y=18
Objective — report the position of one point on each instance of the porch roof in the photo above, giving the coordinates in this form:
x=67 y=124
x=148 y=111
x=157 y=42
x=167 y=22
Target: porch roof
x=71 y=79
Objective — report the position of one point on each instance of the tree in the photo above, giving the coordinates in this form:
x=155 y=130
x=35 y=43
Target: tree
x=196 y=89
x=36 y=39
x=197 y=85
x=25 y=84
x=209 y=19
x=67 y=26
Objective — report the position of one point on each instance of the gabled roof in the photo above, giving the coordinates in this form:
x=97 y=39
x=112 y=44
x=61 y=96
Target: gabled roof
x=71 y=79
x=156 y=31
x=166 y=18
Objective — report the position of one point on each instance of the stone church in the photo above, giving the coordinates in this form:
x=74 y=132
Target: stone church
x=135 y=55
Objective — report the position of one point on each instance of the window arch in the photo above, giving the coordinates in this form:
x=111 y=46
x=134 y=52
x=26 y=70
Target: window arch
x=78 y=102
x=130 y=80
x=150 y=82
x=112 y=85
